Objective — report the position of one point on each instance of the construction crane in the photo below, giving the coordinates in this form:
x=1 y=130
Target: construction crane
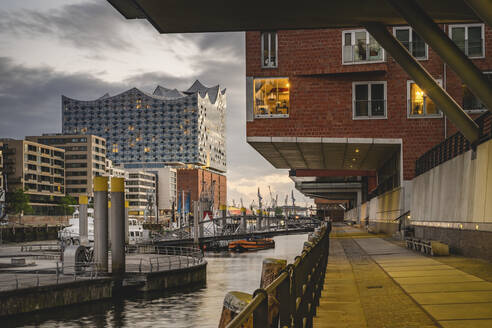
x=293 y=202
x=272 y=202
x=241 y=199
x=259 y=198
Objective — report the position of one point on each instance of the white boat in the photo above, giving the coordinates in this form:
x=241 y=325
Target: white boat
x=70 y=234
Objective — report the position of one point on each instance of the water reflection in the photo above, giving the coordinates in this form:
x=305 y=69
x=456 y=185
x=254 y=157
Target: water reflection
x=198 y=307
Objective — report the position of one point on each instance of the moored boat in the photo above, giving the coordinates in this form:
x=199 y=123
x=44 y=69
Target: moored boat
x=251 y=245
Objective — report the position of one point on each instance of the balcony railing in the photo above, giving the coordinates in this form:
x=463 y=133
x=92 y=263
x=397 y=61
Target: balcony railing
x=363 y=52
x=453 y=146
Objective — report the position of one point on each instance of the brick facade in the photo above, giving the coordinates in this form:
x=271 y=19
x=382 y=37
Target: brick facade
x=321 y=92
x=191 y=180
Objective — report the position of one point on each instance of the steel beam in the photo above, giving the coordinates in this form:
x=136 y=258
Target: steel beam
x=425 y=81
x=428 y=30
x=483 y=9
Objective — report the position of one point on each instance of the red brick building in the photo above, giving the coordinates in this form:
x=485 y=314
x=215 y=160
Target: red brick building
x=197 y=180
x=333 y=100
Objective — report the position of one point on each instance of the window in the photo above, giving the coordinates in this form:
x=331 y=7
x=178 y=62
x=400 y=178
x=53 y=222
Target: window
x=369 y=99
x=271 y=97
x=360 y=47
x=419 y=104
x=412 y=41
x=269 y=49
x=472 y=103
x=469 y=38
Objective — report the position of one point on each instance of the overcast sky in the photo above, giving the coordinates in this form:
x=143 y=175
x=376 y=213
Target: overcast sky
x=83 y=49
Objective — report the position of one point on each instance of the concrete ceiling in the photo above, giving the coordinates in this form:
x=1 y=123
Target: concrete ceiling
x=178 y=16
x=325 y=153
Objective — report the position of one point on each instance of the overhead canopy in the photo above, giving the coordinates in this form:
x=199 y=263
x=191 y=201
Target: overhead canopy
x=178 y=16
x=325 y=153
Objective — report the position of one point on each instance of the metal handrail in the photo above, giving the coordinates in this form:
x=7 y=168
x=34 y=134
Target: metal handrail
x=298 y=290
x=454 y=146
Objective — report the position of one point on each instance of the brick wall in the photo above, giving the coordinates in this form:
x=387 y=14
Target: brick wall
x=321 y=92
x=191 y=180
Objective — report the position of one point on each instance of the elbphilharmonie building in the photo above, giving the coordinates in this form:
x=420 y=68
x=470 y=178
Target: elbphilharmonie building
x=165 y=126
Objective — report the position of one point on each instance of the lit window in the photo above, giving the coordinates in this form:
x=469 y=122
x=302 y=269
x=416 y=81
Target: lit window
x=131 y=127
x=271 y=97
x=359 y=47
x=469 y=38
x=369 y=100
x=115 y=148
x=269 y=49
x=146 y=149
x=472 y=103
x=412 y=41
x=419 y=104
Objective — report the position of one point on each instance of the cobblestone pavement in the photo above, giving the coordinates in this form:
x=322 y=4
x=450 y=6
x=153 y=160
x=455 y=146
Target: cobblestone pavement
x=374 y=283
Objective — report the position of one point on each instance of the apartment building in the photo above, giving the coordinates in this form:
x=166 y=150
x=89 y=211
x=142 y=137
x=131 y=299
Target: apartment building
x=39 y=170
x=141 y=194
x=85 y=158
x=336 y=109
x=166 y=184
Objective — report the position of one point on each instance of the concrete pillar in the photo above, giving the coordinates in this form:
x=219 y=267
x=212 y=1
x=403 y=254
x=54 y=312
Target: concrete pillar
x=243 y=220
x=83 y=224
x=423 y=24
x=223 y=213
x=425 y=81
x=109 y=223
x=258 y=220
x=101 y=223
x=118 y=226
x=127 y=238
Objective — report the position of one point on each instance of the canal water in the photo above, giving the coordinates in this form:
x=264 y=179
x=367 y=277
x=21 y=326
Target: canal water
x=198 y=307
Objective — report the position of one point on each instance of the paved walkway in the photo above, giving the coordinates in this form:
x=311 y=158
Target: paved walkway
x=371 y=282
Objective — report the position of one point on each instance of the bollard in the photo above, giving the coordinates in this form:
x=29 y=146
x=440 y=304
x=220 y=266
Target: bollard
x=118 y=226
x=234 y=302
x=269 y=272
x=243 y=220
x=83 y=225
x=101 y=223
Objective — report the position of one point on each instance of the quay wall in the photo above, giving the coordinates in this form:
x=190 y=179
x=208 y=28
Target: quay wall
x=380 y=212
x=452 y=203
x=29 y=233
x=177 y=278
x=14 y=302
x=38 y=298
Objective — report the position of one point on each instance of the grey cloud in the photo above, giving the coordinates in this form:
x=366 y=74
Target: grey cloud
x=90 y=25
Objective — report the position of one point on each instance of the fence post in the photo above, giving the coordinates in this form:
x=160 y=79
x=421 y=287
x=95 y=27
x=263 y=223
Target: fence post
x=260 y=314
x=284 y=297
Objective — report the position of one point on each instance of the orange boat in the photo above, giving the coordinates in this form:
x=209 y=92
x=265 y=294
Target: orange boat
x=251 y=245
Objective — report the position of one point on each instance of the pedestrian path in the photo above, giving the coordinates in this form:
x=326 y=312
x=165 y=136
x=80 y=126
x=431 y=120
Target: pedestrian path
x=452 y=297
x=371 y=282
x=340 y=302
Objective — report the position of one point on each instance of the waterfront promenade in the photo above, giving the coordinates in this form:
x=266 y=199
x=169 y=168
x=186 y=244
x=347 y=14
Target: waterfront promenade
x=373 y=282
